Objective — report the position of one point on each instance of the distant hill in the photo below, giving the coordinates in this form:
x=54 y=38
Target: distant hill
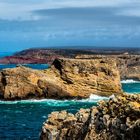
x=47 y=55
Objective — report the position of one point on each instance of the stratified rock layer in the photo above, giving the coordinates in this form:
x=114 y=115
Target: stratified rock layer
x=128 y=65
x=20 y=83
x=116 y=119
x=67 y=78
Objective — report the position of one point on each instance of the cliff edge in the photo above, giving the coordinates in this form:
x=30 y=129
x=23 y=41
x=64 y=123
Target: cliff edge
x=128 y=65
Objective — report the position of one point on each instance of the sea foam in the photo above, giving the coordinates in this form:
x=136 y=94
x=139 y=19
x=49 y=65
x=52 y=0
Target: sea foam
x=129 y=81
x=52 y=102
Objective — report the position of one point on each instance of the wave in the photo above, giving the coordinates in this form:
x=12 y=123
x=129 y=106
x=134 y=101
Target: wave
x=129 y=81
x=52 y=102
x=97 y=98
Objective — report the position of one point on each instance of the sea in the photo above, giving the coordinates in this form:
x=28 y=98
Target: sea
x=22 y=120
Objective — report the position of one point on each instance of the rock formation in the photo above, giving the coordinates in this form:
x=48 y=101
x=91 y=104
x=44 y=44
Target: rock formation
x=66 y=78
x=19 y=83
x=128 y=65
x=116 y=119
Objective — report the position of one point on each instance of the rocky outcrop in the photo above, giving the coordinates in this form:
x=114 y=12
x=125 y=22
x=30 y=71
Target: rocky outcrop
x=19 y=83
x=128 y=65
x=66 y=78
x=116 y=119
x=83 y=77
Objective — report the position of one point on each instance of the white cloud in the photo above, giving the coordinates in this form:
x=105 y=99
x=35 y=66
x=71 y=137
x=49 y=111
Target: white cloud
x=69 y=21
x=21 y=9
x=133 y=12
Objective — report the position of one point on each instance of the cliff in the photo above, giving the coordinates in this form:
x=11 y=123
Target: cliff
x=116 y=119
x=128 y=65
x=66 y=78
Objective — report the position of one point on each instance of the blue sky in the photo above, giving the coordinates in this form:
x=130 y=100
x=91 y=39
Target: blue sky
x=45 y=23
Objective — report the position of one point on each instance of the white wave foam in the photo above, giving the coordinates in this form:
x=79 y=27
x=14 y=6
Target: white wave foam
x=96 y=98
x=23 y=101
x=52 y=102
x=129 y=81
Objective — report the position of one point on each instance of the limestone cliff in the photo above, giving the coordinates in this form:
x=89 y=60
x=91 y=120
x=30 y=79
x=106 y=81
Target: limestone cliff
x=128 y=65
x=20 y=83
x=116 y=119
x=66 y=78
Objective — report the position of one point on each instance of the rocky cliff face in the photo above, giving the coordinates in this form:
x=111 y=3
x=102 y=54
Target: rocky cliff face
x=83 y=77
x=128 y=65
x=67 y=78
x=116 y=119
x=20 y=83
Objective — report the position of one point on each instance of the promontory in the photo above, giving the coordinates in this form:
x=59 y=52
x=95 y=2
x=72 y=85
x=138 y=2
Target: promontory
x=65 y=79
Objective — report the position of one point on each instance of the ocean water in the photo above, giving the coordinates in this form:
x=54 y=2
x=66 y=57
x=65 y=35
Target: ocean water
x=22 y=120
x=34 y=66
x=4 y=54
x=131 y=86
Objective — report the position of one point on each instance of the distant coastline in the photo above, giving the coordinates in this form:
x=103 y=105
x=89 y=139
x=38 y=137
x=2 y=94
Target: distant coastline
x=47 y=55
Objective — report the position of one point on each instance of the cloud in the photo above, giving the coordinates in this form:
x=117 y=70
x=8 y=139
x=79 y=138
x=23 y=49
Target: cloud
x=22 y=9
x=65 y=22
x=93 y=15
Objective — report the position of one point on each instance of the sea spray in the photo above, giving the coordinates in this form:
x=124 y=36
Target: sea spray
x=92 y=99
x=128 y=81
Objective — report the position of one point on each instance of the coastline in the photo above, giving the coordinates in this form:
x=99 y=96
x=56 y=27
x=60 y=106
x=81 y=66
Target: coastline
x=118 y=118
x=69 y=70
x=44 y=106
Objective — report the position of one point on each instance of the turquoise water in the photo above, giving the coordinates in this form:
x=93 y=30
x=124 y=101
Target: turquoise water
x=34 y=66
x=3 y=54
x=22 y=120
x=131 y=86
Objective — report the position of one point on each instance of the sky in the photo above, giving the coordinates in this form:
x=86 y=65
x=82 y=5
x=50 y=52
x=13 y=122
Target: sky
x=69 y=23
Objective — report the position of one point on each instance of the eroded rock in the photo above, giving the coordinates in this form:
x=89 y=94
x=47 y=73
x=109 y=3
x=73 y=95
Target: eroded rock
x=128 y=64
x=66 y=78
x=120 y=122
